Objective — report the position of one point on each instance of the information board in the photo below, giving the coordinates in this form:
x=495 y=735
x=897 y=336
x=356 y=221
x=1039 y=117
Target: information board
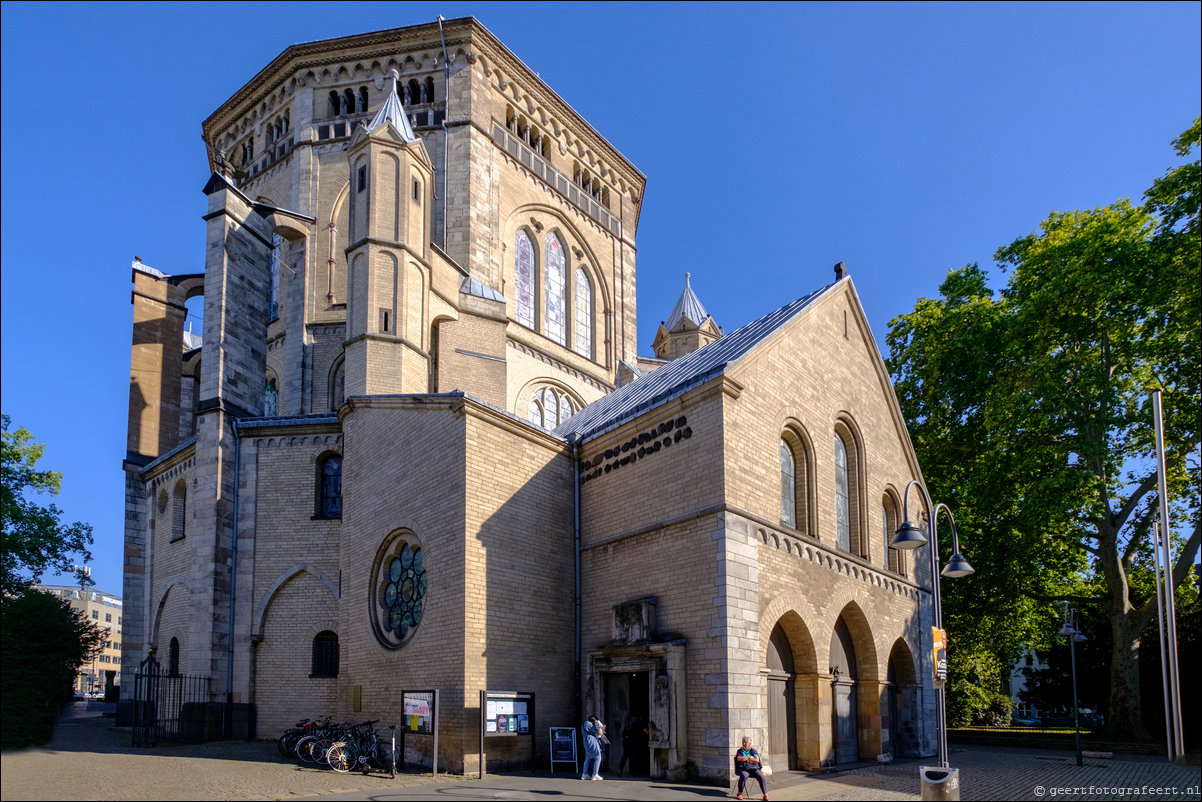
x=563 y=746
x=939 y=656
x=418 y=712
x=507 y=714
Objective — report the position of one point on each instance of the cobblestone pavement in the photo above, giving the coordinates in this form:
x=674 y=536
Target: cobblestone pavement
x=89 y=759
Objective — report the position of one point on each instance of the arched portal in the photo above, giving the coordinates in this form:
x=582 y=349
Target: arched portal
x=782 y=707
x=844 y=712
x=900 y=725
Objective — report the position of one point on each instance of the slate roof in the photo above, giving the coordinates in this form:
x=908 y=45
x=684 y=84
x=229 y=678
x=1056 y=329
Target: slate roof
x=678 y=376
x=393 y=111
x=688 y=306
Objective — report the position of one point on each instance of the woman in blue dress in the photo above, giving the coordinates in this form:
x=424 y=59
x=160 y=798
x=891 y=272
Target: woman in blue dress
x=592 y=730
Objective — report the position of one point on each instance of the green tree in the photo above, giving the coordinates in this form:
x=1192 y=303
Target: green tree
x=35 y=538
x=45 y=643
x=1030 y=410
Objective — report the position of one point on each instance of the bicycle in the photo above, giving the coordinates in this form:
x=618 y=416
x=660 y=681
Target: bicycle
x=363 y=749
x=320 y=734
x=287 y=742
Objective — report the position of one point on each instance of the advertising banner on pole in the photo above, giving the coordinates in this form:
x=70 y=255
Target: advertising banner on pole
x=939 y=656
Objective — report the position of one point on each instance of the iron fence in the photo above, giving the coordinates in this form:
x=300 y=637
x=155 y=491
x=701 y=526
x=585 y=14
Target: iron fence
x=173 y=707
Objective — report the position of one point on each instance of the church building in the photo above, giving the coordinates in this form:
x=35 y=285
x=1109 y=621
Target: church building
x=415 y=446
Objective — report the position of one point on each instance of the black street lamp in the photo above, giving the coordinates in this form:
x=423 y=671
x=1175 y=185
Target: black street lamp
x=910 y=536
x=1070 y=631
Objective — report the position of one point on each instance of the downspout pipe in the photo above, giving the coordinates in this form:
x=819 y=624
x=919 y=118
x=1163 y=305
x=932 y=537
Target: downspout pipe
x=576 y=543
x=446 y=134
x=229 y=672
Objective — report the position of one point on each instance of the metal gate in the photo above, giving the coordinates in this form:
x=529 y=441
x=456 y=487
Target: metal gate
x=173 y=707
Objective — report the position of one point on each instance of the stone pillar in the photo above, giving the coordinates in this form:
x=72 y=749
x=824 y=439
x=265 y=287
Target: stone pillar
x=156 y=357
x=294 y=275
x=812 y=700
x=872 y=700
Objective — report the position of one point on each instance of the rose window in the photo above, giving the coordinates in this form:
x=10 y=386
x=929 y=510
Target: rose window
x=400 y=592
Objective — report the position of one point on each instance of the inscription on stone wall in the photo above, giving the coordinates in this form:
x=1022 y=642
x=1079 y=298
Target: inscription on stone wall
x=641 y=446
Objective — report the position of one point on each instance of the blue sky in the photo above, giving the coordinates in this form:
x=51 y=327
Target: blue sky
x=777 y=139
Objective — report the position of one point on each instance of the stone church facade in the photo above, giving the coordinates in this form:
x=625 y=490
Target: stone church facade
x=416 y=446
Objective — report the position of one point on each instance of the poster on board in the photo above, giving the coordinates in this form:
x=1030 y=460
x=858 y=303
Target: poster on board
x=939 y=656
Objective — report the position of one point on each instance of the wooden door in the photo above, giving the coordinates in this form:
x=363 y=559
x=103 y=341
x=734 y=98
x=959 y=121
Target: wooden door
x=847 y=742
x=780 y=746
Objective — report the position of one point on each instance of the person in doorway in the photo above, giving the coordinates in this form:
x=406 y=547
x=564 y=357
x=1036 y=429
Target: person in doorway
x=635 y=737
x=748 y=764
x=593 y=731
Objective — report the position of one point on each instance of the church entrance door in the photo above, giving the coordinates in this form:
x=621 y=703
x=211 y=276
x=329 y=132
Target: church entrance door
x=781 y=747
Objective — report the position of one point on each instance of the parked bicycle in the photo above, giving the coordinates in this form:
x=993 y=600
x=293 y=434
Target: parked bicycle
x=364 y=750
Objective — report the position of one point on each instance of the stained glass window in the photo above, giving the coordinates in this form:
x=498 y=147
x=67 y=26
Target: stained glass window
x=399 y=592
x=565 y=408
x=842 y=505
x=271 y=399
x=584 y=315
x=788 y=486
x=524 y=279
x=551 y=406
x=331 y=487
x=536 y=412
x=556 y=312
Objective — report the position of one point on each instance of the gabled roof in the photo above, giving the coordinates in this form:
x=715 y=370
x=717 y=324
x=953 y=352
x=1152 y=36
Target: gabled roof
x=688 y=306
x=680 y=375
x=393 y=111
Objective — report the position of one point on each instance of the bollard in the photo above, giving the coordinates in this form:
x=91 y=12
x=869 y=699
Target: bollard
x=939 y=783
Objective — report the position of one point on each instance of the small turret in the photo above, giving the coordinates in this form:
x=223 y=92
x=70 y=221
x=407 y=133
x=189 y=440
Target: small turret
x=687 y=329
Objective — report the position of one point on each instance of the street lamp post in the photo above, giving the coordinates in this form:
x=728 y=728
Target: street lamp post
x=910 y=536
x=1074 y=635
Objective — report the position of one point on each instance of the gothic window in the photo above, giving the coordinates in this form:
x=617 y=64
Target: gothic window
x=173 y=658
x=362 y=99
x=565 y=408
x=179 y=510
x=338 y=385
x=415 y=91
x=329 y=487
x=556 y=302
x=273 y=311
x=428 y=93
x=536 y=411
x=788 y=485
x=842 y=497
x=584 y=315
x=348 y=101
x=551 y=408
x=398 y=590
x=894 y=559
x=524 y=279
x=325 y=654
x=271 y=398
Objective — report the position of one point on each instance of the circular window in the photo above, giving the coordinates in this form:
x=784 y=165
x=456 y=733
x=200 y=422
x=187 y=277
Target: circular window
x=398 y=590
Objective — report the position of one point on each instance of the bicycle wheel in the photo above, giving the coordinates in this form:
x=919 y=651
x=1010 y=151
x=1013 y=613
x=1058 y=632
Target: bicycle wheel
x=303 y=746
x=318 y=748
x=340 y=758
x=282 y=744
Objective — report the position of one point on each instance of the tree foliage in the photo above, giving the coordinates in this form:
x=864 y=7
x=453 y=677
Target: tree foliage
x=35 y=538
x=45 y=643
x=1030 y=411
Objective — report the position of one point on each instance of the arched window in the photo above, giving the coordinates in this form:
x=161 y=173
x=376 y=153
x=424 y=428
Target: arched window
x=348 y=101
x=565 y=408
x=551 y=408
x=555 y=319
x=842 y=497
x=415 y=91
x=179 y=510
x=362 y=99
x=788 y=485
x=325 y=654
x=429 y=91
x=273 y=310
x=523 y=270
x=797 y=507
x=334 y=104
x=894 y=559
x=271 y=398
x=173 y=658
x=329 y=487
x=338 y=385
x=584 y=315
x=536 y=411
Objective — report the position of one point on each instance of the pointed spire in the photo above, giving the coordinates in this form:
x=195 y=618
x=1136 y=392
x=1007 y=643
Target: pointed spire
x=393 y=111
x=688 y=306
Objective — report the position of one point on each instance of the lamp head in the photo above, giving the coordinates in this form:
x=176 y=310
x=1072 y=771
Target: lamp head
x=1066 y=630
x=908 y=536
x=1079 y=637
x=957 y=566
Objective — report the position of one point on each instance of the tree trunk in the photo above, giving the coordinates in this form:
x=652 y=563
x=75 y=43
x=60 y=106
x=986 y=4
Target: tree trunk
x=1126 y=718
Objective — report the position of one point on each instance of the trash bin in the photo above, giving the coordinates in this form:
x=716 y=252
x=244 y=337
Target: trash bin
x=939 y=783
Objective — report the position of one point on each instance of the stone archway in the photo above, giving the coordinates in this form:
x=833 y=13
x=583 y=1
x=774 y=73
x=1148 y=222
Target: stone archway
x=845 y=712
x=794 y=695
x=781 y=744
x=900 y=716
